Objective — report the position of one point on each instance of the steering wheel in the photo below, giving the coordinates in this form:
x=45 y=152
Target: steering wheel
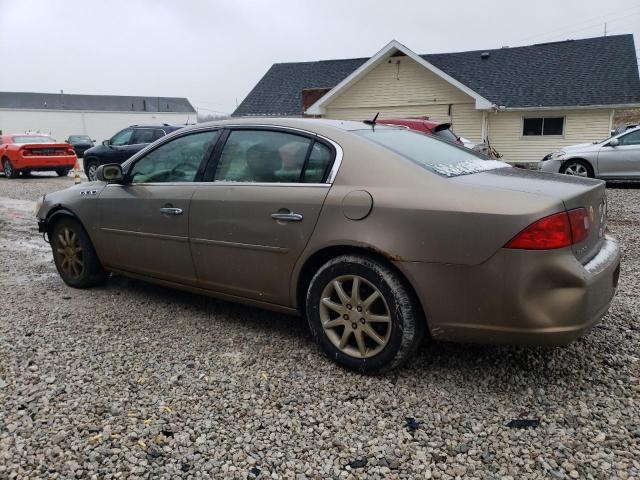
x=176 y=172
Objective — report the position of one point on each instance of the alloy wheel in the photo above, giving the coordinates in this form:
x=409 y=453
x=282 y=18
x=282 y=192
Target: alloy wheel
x=576 y=169
x=358 y=323
x=91 y=171
x=8 y=168
x=70 y=251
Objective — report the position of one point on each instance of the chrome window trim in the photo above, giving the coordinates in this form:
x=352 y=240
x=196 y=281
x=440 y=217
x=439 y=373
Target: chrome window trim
x=337 y=161
x=222 y=184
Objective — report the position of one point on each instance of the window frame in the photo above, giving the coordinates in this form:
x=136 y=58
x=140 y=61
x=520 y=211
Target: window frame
x=543 y=117
x=329 y=174
x=129 y=164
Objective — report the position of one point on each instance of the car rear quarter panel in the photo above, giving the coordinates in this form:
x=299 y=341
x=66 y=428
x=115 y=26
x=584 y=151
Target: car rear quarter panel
x=419 y=216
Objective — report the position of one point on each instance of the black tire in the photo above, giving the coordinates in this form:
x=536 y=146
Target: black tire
x=9 y=171
x=63 y=172
x=574 y=167
x=408 y=325
x=89 y=271
x=90 y=166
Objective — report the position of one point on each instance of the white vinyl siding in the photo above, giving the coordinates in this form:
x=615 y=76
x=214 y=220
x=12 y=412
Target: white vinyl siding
x=466 y=121
x=98 y=125
x=581 y=126
x=398 y=84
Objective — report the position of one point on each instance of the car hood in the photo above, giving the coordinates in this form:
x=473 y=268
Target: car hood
x=581 y=147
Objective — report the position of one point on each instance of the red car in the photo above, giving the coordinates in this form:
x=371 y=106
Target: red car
x=23 y=152
x=424 y=125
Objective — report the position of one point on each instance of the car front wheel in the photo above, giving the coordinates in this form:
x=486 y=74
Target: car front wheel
x=577 y=168
x=362 y=314
x=91 y=167
x=74 y=255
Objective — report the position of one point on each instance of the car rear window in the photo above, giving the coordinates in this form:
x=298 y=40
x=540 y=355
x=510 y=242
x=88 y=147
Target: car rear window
x=446 y=134
x=430 y=152
x=33 y=139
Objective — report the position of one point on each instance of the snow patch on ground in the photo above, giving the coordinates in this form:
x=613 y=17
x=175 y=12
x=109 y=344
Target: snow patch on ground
x=467 y=167
x=605 y=256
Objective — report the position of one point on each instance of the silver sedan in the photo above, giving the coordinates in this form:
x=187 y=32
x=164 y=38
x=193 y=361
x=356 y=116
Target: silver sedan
x=616 y=158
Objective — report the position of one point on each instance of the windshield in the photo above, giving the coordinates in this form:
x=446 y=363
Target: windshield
x=33 y=139
x=79 y=138
x=430 y=152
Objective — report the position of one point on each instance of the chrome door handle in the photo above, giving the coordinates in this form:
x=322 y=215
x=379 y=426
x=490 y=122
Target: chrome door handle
x=171 y=211
x=287 y=217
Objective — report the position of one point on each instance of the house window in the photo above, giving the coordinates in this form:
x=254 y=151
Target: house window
x=542 y=126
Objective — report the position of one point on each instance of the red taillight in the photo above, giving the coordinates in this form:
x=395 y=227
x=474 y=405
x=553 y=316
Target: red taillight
x=555 y=231
x=547 y=233
x=71 y=151
x=25 y=152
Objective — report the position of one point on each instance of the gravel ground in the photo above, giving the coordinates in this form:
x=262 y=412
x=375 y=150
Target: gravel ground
x=132 y=380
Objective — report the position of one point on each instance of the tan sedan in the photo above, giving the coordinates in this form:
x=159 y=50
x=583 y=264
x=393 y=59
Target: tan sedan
x=379 y=235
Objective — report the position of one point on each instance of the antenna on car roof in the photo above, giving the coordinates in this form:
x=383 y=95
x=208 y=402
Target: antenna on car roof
x=372 y=122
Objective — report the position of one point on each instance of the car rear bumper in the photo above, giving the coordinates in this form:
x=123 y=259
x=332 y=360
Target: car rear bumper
x=517 y=297
x=45 y=162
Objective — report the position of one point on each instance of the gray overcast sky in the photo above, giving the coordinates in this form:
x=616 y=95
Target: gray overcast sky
x=213 y=52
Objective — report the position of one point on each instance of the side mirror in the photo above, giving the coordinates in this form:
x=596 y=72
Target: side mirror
x=110 y=173
x=106 y=142
x=94 y=140
x=614 y=142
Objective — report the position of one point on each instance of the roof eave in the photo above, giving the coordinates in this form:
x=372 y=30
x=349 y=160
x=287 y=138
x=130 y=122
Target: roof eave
x=569 y=107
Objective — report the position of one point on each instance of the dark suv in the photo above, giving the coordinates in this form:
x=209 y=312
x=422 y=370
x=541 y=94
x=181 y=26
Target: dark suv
x=123 y=145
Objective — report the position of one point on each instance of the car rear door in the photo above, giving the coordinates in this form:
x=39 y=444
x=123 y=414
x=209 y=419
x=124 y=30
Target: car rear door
x=623 y=160
x=144 y=222
x=251 y=220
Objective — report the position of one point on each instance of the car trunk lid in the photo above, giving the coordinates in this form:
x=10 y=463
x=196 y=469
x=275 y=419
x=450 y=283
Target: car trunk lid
x=573 y=192
x=46 y=149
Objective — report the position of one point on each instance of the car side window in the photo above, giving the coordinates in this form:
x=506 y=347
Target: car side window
x=142 y=135
x=176 y=161
x=122 y=137
x=632 y=138
x=320 y=160
x=266 y=156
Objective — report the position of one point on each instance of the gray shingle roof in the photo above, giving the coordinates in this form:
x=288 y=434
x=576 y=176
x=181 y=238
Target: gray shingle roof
x=106 y=103
x=592 y=71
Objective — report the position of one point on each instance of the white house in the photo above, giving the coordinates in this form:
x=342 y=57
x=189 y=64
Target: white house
x=525 y=101
x=99 y=116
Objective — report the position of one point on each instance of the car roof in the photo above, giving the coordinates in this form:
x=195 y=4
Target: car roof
x=293 y=122
x=157 y=125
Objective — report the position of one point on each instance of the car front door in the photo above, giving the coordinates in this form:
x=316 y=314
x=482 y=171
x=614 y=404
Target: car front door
x=251 y=221
x=144 y=222
x=116 y=149
x=622 y=160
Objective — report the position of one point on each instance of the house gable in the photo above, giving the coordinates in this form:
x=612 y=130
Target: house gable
x=399 y=81
x=393 y=52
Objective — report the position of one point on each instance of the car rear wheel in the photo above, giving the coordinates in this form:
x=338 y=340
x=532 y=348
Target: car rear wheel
x=362 y=314
x=74 y=255
x=63 y=172
x=9 y=171
x=577 y=168
x=91 y=167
